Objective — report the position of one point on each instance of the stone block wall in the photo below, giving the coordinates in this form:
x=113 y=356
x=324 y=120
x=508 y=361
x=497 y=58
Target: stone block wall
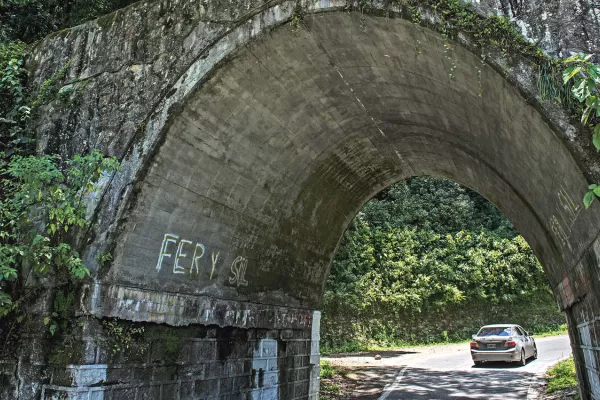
x=578 y=298
x=199 y=362
x=8 y=379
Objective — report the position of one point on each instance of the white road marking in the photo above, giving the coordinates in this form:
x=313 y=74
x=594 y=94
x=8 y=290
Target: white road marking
x=389 y=388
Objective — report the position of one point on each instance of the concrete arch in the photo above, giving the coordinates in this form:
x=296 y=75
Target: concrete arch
x=286 y=141
x=267 y=161
x=252 y=159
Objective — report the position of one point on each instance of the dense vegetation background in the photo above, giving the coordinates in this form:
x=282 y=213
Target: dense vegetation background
x=429 y=260
x=30 y=20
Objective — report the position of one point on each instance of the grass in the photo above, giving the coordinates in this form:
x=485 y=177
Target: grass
x=562 y=376
x=328 y=370
x=561 y=331
x=355 y=346
x=329 y=390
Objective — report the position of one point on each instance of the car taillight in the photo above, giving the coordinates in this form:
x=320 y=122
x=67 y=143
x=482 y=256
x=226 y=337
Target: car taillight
x=510 y=343
x=474 y=345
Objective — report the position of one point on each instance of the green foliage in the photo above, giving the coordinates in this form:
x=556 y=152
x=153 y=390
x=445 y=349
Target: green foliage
x=124 y=338
x=103 y=258
x=63 y=305
x=411 y=268
x=42 y=198
x=30 y=20
x=50 y=89
x=329 y=390
x=584 y=77
x=436 y=204
x=14 y=112
x=429 y=260
x=562 y=376
x=552 y=87
x=344 y=346
x=327 y=371
x=549 y=330
x=43 y=202
x=494 y=32
x=170 y=341
x=297 y=18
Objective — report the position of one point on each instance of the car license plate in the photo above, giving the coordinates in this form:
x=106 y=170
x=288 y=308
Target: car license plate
x=491 y=346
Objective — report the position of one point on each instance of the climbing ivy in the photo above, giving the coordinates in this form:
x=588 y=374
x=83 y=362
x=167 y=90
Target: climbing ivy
x=50 y=90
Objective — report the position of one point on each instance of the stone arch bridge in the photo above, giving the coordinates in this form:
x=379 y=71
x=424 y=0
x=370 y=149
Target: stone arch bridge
x=247 y=145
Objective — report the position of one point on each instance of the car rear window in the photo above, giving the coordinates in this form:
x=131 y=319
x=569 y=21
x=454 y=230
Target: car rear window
x=495 y=331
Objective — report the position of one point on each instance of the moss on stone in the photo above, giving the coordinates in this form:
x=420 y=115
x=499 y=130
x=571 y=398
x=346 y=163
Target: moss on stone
x=107 y=21
x=167 y=342
x=59 y=34
x=66 y=349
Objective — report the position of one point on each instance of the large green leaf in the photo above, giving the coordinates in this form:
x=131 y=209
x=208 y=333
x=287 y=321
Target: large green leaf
x=596 y=137
x=593 y=102
x=594 y=71
x=573 y=58
x=570 y=72
x=586 y=114
x=581 y=90
x=588 y=198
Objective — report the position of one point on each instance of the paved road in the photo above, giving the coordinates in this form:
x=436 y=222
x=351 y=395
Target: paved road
x=447 y=372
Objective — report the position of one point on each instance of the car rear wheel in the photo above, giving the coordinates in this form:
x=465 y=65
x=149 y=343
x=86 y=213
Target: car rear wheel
x=534 y=353
x=523 y=361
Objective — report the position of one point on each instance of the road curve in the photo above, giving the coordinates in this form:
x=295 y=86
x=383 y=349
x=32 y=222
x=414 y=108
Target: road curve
x=447 y=372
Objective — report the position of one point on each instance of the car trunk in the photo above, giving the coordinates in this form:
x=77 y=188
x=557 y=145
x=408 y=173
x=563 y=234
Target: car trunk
x=491 y=343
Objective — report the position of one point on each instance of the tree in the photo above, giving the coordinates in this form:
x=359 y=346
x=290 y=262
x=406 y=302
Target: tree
x=30 y=20
x=428 y=247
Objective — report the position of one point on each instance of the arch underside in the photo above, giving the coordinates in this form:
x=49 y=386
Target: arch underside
x=269 y=160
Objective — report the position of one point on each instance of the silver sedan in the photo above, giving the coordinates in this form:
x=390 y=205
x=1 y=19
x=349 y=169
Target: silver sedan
x=502 y=342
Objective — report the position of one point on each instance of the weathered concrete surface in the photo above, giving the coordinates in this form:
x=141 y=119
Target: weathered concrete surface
x=247 y=148
x=559 y=27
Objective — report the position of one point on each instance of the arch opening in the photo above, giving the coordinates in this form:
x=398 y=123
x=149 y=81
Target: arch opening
x=428 y=260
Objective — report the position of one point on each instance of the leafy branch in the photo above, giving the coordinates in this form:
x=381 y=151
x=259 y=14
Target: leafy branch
x=14 y=112
x=40 y=207
x=585 y=77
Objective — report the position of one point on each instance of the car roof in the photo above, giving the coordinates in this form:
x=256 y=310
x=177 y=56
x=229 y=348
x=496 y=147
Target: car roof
x=498 y=325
